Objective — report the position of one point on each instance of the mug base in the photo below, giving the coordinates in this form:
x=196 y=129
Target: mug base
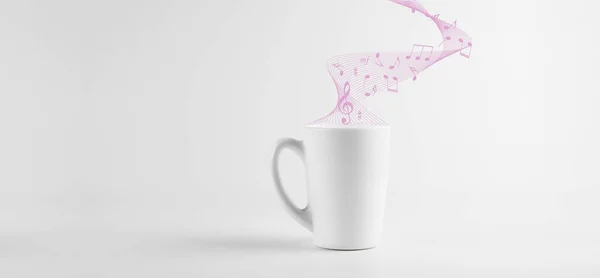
x=338 y=248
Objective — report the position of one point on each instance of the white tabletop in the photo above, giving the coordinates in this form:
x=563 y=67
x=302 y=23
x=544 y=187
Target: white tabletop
x=259 y=243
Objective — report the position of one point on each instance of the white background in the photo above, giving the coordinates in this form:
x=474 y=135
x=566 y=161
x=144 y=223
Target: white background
x=135 y=138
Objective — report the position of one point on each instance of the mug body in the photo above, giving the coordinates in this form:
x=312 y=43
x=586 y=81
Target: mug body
x=347 y=170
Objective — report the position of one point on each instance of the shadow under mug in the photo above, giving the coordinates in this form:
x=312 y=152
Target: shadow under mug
x=347 y=170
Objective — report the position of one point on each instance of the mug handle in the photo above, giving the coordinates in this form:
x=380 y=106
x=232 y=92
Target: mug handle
x=303 y=216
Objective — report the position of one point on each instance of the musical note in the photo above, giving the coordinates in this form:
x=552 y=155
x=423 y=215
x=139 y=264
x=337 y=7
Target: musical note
x=344 y=105
x=338 y=66
x=394 y=87
x=423 y=47
x=462 y=47
x=365 y=61
x=378 y=62
x=396 y=64
x=373 y=89
x=349 y=93
x=453 y=25
x=443 y=40
x=414 y=72
x=372 y=92
x=430 y=52
x=409 y=4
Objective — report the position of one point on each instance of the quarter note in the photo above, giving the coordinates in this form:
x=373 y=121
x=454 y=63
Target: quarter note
x=462 y=47
x=422 y=47
x=393 y=87
x=396 y=64
x=377 y=61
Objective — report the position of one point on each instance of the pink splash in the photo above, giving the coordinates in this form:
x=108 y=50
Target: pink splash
x=377 y=72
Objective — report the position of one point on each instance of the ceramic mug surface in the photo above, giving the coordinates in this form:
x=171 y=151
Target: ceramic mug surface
x=347 y=170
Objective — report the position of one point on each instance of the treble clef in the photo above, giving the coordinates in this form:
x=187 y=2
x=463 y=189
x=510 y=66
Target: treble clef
x=344 y=105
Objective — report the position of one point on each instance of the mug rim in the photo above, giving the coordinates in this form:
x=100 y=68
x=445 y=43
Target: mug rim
x=350 y=127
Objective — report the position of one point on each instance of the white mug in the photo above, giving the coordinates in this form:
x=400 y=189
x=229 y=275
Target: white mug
x=347 y=170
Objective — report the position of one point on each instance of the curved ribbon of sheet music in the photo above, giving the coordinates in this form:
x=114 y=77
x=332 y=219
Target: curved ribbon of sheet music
x=358 y=76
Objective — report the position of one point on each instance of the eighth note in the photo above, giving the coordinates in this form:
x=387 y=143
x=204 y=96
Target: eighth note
x=394 y=87
x=378 y=62
x=414 y=72
x=373 y=90
x=451 y=25
x=443 y=40
x=396 y=64
x=338 y=66
x=462 y=47
x=423 y=47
